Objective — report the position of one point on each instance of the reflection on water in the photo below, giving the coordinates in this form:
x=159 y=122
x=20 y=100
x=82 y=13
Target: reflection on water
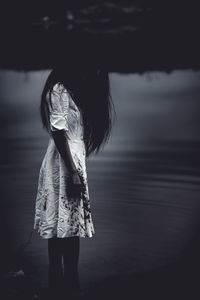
x=144 y=199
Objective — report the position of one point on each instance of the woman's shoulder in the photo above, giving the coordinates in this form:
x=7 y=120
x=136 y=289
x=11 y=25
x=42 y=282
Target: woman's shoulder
x=59 y=88
x=60 y=95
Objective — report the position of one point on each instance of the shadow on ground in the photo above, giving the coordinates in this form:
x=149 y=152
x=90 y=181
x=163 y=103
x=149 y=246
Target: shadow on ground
x=177 y=281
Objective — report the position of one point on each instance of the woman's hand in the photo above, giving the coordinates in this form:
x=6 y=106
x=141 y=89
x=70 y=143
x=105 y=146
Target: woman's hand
x=75 y=188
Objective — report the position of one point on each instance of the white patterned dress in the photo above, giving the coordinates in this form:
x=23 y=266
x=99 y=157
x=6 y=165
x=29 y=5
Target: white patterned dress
x=56 y=214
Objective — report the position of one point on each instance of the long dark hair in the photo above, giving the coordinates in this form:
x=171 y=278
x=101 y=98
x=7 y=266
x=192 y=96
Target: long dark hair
x=89 y=88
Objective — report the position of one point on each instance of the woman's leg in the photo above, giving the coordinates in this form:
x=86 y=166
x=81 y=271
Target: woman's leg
x=55 y=272
x=71 y=248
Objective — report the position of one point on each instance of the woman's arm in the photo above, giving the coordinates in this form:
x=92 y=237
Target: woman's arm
x=62 y=145
x=58 y=125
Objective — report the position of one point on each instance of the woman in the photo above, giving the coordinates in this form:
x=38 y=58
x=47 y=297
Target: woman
x=76 y=112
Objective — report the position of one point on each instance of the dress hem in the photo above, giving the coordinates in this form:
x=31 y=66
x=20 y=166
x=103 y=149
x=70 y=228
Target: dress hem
x=37 y=229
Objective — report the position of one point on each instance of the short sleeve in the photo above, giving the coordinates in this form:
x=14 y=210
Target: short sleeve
x=58 y=112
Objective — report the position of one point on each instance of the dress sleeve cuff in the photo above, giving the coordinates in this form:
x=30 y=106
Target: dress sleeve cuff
x=58 y=122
